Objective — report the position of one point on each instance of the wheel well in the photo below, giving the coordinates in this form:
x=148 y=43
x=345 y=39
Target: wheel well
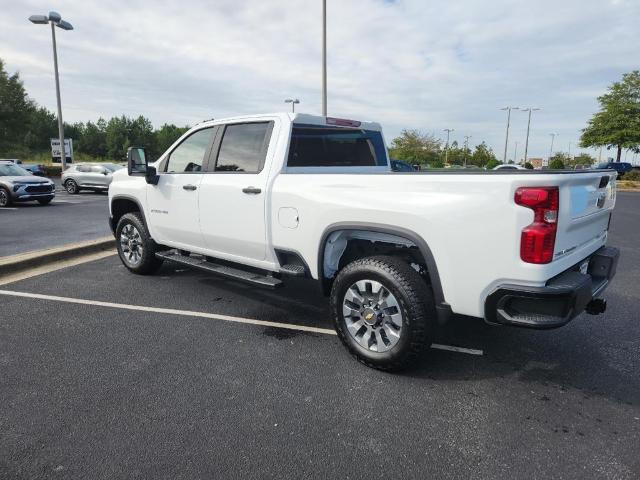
x=342 y=247
x=121 y=206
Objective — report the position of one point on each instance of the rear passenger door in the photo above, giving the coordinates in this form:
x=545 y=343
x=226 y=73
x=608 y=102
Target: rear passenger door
x=233 y=192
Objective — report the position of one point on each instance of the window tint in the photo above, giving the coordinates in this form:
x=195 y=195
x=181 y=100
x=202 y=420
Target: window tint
x=84 y=168
x=97 y=169
x=335 y=147
x=244 y=147
x=189 y=155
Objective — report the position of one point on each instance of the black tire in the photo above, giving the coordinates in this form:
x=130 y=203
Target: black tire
x=416 y=304
x=5 y=197
x=146 y=262
x=45 y=201
x=71 y=187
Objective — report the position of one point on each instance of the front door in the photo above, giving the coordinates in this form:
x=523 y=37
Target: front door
x=233 y=193
x=173 y=202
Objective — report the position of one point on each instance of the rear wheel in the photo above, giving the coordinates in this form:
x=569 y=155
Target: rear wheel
x=136 y=248
x=5 y=197
x=383 y=312
x=71 y=187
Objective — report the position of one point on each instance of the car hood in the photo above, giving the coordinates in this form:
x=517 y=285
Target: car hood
x=26 y=179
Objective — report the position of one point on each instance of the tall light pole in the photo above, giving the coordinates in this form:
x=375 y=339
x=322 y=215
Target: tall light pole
x=293 y=102
x=515 y=153
x=324 y=58
x=569 y=150
x=55 y=20
x=466 y=148
x=506 y=140
x=526 y=143
x=553 y=137
x=446 y=148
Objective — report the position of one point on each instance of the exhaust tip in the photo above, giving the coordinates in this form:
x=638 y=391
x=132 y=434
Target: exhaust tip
x=596 y=306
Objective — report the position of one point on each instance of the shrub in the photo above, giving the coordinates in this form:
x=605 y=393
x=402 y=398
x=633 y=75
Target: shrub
x=491 y=164
x=528 y=166
x=556 y=164
x=633 y=175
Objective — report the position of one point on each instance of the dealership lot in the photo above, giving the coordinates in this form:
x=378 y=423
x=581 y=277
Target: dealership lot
x=67 y=219
x=106 y=374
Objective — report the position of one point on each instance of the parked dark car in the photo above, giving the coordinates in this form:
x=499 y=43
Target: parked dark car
x=620 y=167
x=35 y=169
x=400 y=166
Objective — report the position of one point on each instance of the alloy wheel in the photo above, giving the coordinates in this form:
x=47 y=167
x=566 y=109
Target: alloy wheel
x=131 y=244
x=372 y=315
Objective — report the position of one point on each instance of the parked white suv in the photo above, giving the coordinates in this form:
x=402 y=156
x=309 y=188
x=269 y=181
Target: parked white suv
x=264 y=197
x=88 y=176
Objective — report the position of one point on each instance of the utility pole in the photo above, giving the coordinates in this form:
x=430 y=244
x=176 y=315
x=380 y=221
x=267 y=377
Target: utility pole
x=506 y=140
x=446 y=148
x=466 y=148
x=526 y=143
x=324 y=58
x=515 y=153
x=553 y=137
x=55 y=19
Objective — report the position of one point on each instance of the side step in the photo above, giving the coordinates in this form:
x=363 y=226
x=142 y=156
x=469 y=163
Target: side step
x=293 y=270
x=201 y=263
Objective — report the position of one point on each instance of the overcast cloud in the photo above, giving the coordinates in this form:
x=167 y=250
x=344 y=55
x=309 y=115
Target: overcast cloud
x=405 y=63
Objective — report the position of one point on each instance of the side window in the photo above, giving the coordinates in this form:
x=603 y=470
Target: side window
x=335 y=147
x=84 y=168
x=97 y=169
x=244 y=147
x=189 y=155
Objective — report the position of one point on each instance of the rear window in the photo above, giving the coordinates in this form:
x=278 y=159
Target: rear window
x=335 y=147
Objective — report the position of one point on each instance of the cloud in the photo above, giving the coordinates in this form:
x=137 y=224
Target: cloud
x=406 y=64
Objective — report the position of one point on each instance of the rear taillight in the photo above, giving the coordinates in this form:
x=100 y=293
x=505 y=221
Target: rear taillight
x=539 y=238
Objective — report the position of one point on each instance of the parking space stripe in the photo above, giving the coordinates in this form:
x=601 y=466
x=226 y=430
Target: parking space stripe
x=213 y=316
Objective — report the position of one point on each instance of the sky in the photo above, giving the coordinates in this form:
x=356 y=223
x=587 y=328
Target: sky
x=408 y=64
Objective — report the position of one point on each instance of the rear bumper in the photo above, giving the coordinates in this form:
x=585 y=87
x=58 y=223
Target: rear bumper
x=558 y=302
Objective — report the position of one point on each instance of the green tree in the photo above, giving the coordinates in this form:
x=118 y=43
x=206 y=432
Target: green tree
x=166 y=135
x=617 y=124
x=558 y=161
x=414 y=147
x=528 y=165
x=15 y=112
x=483 y=156
x=582 y=159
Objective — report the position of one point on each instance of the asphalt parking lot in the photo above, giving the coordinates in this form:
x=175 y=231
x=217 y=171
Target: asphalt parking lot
x=110 y=375
x=67 y=219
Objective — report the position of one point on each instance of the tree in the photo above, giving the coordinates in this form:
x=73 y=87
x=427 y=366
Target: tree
x=560 y=158
x=556 y=164
x=617 y=124
x=528 y=165
x=15 y=112
x=582 y=159
x=414 y=146
x=166 y=135
x=483 y=156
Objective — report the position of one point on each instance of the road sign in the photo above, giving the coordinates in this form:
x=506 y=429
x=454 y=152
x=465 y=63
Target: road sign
x=55 y=150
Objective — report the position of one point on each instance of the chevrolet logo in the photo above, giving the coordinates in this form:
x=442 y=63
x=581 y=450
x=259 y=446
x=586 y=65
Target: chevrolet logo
x=368 y=317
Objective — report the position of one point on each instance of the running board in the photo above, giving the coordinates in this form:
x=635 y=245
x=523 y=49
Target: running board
x=230 y=272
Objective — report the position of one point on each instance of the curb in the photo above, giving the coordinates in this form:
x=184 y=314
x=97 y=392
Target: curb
x=38 y=258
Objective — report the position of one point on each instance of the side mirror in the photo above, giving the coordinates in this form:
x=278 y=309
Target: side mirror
x=136 y=160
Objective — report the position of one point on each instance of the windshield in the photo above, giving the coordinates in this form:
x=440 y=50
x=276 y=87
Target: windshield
x=12 y=171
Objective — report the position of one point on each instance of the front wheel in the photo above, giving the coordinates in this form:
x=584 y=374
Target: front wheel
x=383 y=312
x=136 y=248
x=5 y=197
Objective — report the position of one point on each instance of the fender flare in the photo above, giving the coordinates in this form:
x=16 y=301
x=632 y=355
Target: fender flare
x=125 y=197
x=443 y=309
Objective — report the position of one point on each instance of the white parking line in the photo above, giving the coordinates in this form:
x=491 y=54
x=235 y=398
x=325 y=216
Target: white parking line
x=7 y=208
x=213 y=316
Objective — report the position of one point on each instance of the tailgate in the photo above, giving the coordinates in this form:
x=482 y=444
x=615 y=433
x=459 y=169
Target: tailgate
x=586 y=202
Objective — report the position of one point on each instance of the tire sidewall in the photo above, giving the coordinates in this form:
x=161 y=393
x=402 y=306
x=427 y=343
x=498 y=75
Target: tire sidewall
x=148 y=262
x=68 y=183
x=348 y=277
x=7 y=195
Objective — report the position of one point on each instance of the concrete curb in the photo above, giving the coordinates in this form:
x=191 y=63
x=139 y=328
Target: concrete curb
x=25 y=261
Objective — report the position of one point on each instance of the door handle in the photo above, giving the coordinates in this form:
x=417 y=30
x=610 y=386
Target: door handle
x=189 y=187
x=251 y=190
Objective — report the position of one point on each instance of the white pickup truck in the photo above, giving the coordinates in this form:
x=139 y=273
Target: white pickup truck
x=264 y=197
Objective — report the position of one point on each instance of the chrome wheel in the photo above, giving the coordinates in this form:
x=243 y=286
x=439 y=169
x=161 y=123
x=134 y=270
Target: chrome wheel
x=4 y=198
x=71 y=186
x=131 y=245
x=372 y=315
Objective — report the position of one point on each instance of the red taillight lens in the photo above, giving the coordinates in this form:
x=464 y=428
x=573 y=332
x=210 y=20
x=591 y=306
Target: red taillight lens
x=538 y=239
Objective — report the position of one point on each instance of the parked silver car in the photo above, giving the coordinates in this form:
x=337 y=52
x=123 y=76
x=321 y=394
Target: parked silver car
x=88 y=176
x=19 y=185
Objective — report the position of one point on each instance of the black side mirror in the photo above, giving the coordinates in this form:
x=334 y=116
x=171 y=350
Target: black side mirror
x=136 y=161
x=151 y=176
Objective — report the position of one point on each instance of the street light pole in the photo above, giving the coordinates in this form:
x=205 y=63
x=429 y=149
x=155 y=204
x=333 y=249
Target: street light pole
x=55 y=20
x=466 y=148
x=293 y=102
x=515 y=153
x=506 y=140
x=446 y=148
x=553 y=137
x=526 y=143
x=324 y=58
